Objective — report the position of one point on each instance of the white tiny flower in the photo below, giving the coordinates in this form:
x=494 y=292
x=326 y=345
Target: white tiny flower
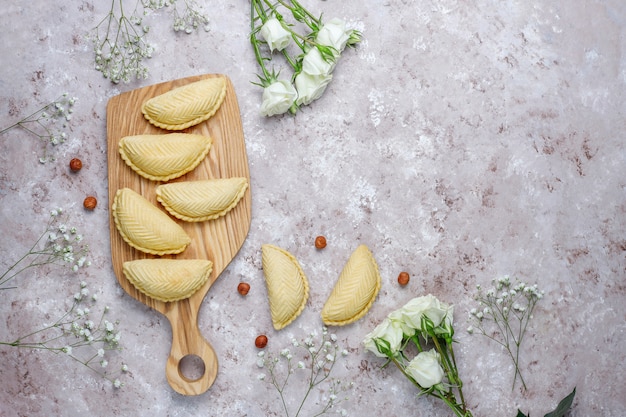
x=124 y=367
x=104 y=363
x=301 y=365
x=117 y=383
x=101 y=352
x=67 y=349
x=261 y=377
x=330 y=358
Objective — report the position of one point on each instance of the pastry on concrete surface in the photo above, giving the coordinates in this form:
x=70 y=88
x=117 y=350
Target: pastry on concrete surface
x=355 y=290
x=287 y=286
x=164 y=157
x=168 y=279
x=197 y=201
x=186 y=106
x=145 y=227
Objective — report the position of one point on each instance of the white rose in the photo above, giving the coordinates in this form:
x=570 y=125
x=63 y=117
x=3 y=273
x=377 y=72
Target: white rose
x=276 y=36
x=314 y=64
x=428 y=306
x=425 y=369
x=388 y=335
x=310 y=87
x=398 y=319
x=278 y=97
x=334 y=33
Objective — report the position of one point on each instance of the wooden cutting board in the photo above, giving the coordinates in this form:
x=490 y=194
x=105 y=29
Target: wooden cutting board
x=216 y=240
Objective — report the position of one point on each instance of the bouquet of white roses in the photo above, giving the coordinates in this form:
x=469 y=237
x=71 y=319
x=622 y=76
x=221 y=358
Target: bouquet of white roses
x=318 y=49
x=418 y=339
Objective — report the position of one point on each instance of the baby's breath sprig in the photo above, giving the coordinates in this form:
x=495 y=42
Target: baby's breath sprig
x=120 y=46
x=59 y=244
x=79 y=337
x=44 y=123
x=503 y=316
x=315 y=364
x=120 y=41
x=191 y=18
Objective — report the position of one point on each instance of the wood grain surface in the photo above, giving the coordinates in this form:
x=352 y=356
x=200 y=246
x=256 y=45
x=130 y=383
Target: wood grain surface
x=217 y=240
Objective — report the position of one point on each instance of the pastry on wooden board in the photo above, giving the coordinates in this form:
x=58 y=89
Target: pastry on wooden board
x=187 y=105
x=201 y=200
x=355 y=290
x=287 y=286
x=164 y=157
x=168 y=279
x=145 y=227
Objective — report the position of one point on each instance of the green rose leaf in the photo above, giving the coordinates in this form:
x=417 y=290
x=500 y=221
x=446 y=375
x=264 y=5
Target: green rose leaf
x=560 y=410
x=563 y=406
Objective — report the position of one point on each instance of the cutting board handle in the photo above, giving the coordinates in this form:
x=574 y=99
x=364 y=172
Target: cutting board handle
x=187 y=340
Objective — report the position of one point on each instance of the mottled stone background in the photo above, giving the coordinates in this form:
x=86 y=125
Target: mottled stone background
x=461 y=141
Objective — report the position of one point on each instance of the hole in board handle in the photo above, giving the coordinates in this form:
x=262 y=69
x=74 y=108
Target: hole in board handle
x=191 y=367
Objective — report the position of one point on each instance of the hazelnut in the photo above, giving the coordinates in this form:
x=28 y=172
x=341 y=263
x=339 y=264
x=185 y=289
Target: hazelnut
x=403 y=278
x=90 y=203
x=320 y=242
x=76 y=164
x=261 y=341
x=243 y=288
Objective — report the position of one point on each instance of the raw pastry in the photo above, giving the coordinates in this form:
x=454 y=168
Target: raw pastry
x=168 y=279
x=146 y=228
x=187 y=105
x=164 y=157
x=287 y=286
x=197 y=201
x=355 y=290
